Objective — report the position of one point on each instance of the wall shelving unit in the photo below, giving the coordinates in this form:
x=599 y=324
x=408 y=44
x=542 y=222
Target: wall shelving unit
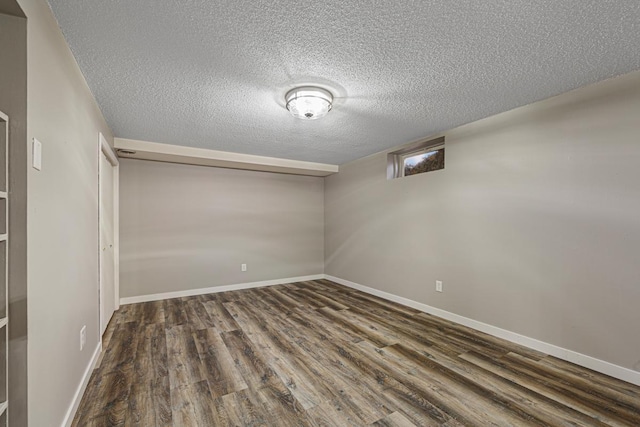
x=4 y=268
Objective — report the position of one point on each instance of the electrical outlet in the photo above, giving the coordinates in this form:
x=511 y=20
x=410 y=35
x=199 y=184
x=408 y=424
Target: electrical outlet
x=438 y=285
x=243 y=267
x=83 y=337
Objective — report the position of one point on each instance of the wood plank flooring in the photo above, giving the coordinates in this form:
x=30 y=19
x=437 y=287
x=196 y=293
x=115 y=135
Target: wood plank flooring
x=320 y=354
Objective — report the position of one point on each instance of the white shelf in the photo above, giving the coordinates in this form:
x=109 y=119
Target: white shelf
x=4 y=195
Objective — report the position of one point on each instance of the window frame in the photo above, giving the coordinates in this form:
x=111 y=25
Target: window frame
x=396 y=159
x=404 y=157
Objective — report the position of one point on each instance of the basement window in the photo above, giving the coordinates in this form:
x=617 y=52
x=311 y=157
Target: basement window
x=426 y=156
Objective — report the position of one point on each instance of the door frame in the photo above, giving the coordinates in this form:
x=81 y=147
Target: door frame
x=110 y=154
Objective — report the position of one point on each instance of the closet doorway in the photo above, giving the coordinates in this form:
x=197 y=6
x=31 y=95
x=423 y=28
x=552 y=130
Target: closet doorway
x=109 y=283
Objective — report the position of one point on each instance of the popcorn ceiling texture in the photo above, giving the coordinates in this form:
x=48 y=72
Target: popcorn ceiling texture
x=213 y=74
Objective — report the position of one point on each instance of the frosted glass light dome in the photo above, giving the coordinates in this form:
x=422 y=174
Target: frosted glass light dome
x=309 y=102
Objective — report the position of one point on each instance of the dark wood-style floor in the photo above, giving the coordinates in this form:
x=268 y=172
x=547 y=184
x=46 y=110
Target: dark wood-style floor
x=319 y=354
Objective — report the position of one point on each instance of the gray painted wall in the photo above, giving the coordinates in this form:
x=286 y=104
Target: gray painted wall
x=13 y=101
x=62 y=219
x=533 y=226
x=186 y=227
x=11 y=7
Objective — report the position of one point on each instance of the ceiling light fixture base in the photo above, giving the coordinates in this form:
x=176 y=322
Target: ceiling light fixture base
x=309 y=102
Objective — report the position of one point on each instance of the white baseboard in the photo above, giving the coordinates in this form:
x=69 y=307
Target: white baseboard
x=215 y=289
x=598 y=365
x=71 y=412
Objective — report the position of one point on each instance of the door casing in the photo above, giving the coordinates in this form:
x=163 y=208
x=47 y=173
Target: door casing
x=106 y=150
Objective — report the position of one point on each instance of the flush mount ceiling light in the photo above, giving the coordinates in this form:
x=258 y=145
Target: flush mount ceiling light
x=309 y=102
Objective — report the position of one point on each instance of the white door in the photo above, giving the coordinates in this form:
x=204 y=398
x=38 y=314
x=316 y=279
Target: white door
x=107 y=242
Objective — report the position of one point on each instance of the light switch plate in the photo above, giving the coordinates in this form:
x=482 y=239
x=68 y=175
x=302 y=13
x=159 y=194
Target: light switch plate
x=37 y=154
x=83 y=337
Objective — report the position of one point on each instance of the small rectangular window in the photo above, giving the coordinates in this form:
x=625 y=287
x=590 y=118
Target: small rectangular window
x=418 y=158
x=431 y=160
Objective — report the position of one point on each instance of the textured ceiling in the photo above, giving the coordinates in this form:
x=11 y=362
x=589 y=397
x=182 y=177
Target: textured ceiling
x=213 y=74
